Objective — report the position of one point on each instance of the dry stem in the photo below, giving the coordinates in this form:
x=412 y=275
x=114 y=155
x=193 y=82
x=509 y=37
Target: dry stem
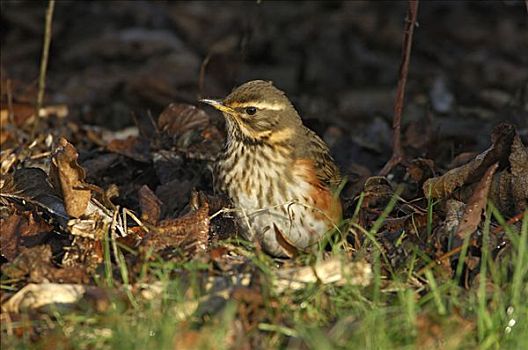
x=397 y=150
x=44 y=63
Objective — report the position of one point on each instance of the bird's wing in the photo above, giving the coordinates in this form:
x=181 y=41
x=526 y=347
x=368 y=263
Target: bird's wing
x=316 y=149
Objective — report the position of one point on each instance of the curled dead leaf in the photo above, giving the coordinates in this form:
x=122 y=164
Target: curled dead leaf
x=150 y=205
x=190 y=232
x=68 y=176
x=31 y=185
x=445 y=185
x=476 y=204
x=179 y=118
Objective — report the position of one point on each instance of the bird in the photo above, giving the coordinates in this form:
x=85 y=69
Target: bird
x=278 y=173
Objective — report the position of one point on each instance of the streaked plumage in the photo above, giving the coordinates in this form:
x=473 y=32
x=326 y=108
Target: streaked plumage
x=278 y=173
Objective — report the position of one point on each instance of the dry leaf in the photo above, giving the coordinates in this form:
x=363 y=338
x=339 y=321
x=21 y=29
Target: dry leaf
x=44 y=295
x=37 y=265
x=19 y=229
x=9 y=229
x=519 y=170
x=179 y=118
x=189 y=232
x=443 y=186
x=150 y=205
x=31 y=185
x=132 y=147
x=476 y=204
x=329 y=271
x=67 y=176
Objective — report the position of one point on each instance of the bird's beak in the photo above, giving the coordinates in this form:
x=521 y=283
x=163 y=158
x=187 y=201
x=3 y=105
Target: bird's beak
x=218 y=105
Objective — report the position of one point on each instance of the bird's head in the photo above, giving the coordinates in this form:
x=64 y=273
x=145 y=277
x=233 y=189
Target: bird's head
x=258 y=112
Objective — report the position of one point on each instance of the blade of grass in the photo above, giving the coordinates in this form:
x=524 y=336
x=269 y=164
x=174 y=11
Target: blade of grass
x=107 y=259
x=462 y=257
x=521 y=265
x=437 y=297
x=484 y=322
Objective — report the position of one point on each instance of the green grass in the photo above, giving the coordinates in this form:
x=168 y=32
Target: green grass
x=434 y=311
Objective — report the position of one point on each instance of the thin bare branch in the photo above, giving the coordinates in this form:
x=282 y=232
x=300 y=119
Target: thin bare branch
x=397 y=150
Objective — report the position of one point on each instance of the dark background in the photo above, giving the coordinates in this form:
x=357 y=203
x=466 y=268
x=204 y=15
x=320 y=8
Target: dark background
x=337 y=61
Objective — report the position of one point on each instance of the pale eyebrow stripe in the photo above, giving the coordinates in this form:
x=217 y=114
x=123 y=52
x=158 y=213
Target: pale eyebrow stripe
x=259 y=105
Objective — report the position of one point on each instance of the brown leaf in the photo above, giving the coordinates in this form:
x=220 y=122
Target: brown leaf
x=519 y=170
x=420 y=169
x=509 y=190
x=21 y=229
x=191 y=130
x=174 y=194
x=189 y=232
x=67 y=176
x=378 y=192
x=179 y=118
x=443 y=186
x=150 y=205
x=21 y=113
x=476 y=204
x=9 y=229
x=132 y=147
x=36 y=263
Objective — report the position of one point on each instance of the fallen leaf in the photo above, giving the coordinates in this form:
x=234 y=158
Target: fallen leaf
x=333 y=270
x=9 y=236
x=190 y=232
x=21 y=229
x=32 y=185
x=150 y=205
x=475 y=206
x=132 y=147
x=36 y=296
x=421 y=169
x=68 y=176
x=378 y=192
x=443 y=186
x=519 y=170
x=36 y=264
x=179 y=118
x=174 y=194
x=190 y=130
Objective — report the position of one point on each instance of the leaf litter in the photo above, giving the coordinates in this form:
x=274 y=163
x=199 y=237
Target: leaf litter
x=99 y=194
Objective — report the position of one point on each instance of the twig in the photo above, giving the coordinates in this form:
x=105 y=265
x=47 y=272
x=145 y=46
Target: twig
x=511 y=221
x=437 y=261
x=397 y=150
x=44 y=63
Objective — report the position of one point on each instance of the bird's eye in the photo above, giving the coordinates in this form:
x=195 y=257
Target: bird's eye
x=251 y=110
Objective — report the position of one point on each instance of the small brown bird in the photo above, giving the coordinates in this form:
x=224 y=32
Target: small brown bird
x=278 y=173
